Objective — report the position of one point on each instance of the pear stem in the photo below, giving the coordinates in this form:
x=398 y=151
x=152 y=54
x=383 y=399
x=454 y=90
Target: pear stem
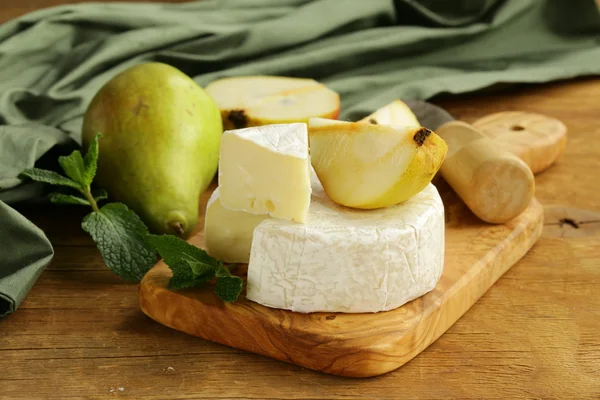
x=88 y=195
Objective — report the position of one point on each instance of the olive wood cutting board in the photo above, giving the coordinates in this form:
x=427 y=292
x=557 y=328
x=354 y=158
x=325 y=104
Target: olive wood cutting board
x=477 y=254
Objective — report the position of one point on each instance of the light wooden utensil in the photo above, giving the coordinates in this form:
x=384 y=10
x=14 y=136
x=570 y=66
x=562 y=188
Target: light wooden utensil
x=536 y=139
x=494 y=183
x=486 y=160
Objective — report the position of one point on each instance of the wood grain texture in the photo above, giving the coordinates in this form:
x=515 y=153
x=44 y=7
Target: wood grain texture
x=536 y=139
x=354 y=345
x=10 y=9
x=533 y=335
x=570 y=222
x=495 y=184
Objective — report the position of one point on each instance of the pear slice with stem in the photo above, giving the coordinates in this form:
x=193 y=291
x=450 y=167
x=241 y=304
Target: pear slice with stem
x=263 y=100
x=369 y=166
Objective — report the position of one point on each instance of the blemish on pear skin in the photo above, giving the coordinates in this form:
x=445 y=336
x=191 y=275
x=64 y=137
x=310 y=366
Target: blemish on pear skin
x=139 y=106
x=421 y=135
x=238 y=118
x=373 y=121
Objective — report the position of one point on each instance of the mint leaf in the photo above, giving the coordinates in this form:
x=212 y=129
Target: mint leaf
x=184 y=276
x=119 y=234
x=79 y=169
x=179 y=253
x=199 y=268
x=61 y=198
x=99 y=194
x=228 y=286
x=42 y=175
x=229 y=289
x=91 y=160
x=222 y=271
x=73 y=167
x=192 y=266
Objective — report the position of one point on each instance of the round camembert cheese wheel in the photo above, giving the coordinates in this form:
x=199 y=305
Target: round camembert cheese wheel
x=346 y=260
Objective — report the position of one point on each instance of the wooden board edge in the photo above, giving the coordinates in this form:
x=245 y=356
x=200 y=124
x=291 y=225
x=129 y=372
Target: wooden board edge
x=525 y=235
x=378 y=358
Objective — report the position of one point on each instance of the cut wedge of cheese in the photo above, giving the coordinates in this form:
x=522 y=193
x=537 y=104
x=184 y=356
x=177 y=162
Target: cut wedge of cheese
x=266 y=170
x=346 y=260
x=228 y=233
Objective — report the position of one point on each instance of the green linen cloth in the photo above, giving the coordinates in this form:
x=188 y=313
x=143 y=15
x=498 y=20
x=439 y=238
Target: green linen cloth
x=370 y=51
x=25 y=253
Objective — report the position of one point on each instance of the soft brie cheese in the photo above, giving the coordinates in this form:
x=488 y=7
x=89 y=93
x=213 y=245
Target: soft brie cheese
x=266 y=170
x=346 y=260
x=228 y=233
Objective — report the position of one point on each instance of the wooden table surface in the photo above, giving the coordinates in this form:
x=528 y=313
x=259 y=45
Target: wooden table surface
x=535 y=334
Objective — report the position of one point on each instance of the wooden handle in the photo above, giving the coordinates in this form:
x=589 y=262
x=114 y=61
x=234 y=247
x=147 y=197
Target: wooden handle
x=534 y=138
x=495 y=184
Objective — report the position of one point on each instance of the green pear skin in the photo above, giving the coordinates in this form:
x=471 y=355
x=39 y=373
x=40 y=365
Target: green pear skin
x=159 y=151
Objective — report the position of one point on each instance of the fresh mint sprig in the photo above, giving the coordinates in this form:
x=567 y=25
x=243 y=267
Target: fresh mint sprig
x=192 y=266
x=124 y=242
x=80 y=173
x=117 y=230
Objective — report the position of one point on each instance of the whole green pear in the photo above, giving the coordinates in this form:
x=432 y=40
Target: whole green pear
x=159 y=151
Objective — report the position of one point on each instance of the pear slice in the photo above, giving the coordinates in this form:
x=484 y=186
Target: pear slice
x=397 y=113
x=373 y=166
x=263 y=100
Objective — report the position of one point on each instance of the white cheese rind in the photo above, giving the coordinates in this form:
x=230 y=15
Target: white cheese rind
x=228 y=233
x=345 y=260
x=266 y=170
